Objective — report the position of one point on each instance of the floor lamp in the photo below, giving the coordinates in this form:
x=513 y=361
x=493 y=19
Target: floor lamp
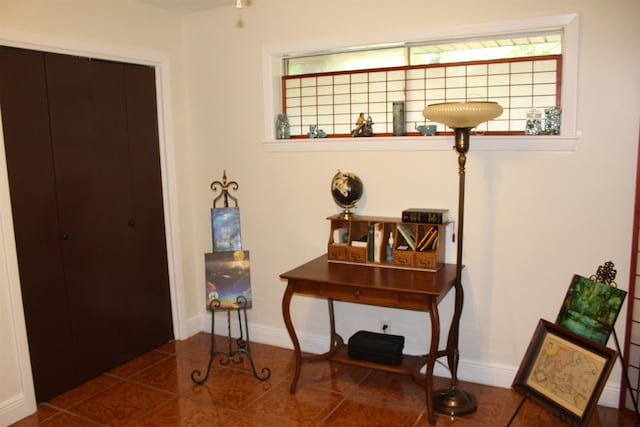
x=461 y=117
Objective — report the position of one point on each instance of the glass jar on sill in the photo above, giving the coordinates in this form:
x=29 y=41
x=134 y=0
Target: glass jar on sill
x=534 y=122
x=282 y=127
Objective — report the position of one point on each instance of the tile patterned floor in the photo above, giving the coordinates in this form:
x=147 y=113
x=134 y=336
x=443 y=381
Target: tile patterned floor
x=156 y=390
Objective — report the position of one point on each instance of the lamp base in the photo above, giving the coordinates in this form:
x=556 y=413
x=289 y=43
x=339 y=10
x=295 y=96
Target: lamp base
x=454 y=401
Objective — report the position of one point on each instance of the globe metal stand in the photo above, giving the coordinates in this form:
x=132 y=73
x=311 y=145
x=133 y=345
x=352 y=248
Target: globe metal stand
x=346 y=190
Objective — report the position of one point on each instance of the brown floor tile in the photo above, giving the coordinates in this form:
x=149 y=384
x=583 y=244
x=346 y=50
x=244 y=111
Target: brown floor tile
x=138 y=364
x=336 y=377
x=245 y=420
x=358 y=411
x=171 y=374
x=392 y=388
x=68 y=420
x=84 y=391
x=229 y=388
x=195 y=347
x=308 y=406
x=280 y=361
x=43 y=412
x=121 y=403
x=181 y=412
x=155 y=389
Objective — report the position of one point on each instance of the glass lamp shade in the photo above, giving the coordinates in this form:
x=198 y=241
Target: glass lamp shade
x=462 y=114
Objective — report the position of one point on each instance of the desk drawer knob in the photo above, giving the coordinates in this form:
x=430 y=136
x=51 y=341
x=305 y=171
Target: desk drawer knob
x=357 y=293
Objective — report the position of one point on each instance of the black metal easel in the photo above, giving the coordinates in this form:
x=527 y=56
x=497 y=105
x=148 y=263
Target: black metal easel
x=607 y=274
x=242 y=347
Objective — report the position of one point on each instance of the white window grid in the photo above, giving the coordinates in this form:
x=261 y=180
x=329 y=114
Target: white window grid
x=333 y=101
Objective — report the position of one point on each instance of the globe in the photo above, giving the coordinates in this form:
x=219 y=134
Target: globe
x=346 y=189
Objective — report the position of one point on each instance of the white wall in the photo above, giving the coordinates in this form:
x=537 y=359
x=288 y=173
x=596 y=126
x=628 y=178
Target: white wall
x=533 y=219
x=111 y=29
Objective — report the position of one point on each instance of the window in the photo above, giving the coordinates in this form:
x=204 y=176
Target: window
x=521 y=72
x=531 y=64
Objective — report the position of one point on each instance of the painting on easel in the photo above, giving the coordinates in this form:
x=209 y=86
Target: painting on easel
x=227 y=278
x=225 y=226
x=590 y=308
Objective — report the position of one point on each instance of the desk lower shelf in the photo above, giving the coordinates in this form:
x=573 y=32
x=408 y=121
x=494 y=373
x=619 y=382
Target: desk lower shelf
x=410 y=365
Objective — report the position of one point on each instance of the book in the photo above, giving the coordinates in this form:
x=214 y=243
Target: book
x=370 y=248
x=378 y=237
x=360 y=242
x=429 y=240
x=426 y=216
x=408 y=235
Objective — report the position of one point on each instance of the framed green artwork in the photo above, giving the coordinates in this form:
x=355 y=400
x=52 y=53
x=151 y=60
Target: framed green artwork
x=590 y=308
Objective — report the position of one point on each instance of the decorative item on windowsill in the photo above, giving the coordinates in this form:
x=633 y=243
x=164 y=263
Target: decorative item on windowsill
x=364 y=127
x=552 y=120
x=399 y=128
x=426 y=130
x=314 y=132
x=282 y=127
x=534 y=122
x=346 y=189
x=461 y=117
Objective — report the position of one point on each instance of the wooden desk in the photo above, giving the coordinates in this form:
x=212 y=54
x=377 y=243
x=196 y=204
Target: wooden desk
x=405 y=289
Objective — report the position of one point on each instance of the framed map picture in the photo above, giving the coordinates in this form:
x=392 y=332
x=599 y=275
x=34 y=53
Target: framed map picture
x=227 y=277
x=225 y=228
x=565 y=370
x=591 y=308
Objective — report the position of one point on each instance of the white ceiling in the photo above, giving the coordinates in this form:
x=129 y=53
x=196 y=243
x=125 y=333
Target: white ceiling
x=188 y=6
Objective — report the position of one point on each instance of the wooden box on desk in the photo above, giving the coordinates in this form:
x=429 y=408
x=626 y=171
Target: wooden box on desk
x=416 y=246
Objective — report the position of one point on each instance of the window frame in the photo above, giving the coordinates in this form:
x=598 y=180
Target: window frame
x=566 y=142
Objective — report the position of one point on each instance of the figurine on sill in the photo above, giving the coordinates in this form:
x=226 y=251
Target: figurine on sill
x=314 y=132
x=426 y=130
x=363 y=127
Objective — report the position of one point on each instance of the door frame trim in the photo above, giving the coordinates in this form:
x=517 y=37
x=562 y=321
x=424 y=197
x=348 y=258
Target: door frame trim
x=161 y=63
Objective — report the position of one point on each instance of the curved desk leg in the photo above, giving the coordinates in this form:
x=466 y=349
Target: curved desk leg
x=286 y=314
x=431 y=358
x=332 y=326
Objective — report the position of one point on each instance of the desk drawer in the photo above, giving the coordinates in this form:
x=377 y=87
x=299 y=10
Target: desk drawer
x=403 y=258
x=337 y=252
x=353 y=294
x=355 y=254
x=425 y=259
x=364 y=295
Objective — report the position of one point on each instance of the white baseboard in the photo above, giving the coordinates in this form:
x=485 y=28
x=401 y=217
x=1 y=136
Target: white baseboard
x=14 y=409
x=468 y=370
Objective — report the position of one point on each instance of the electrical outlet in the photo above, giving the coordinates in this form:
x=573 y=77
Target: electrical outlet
x=385 y=326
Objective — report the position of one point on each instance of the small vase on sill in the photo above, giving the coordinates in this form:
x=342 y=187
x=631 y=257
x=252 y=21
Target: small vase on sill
x=282 y=127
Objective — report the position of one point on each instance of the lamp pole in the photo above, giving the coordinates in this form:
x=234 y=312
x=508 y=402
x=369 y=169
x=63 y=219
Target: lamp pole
x=461 y=117
x=453 y=401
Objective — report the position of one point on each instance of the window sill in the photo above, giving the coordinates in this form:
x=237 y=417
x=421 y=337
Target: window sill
x=556 y=143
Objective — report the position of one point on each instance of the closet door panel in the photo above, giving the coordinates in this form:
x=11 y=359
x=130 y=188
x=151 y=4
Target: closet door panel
x=25 y=117
x=88 y=126
x=150 y=300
